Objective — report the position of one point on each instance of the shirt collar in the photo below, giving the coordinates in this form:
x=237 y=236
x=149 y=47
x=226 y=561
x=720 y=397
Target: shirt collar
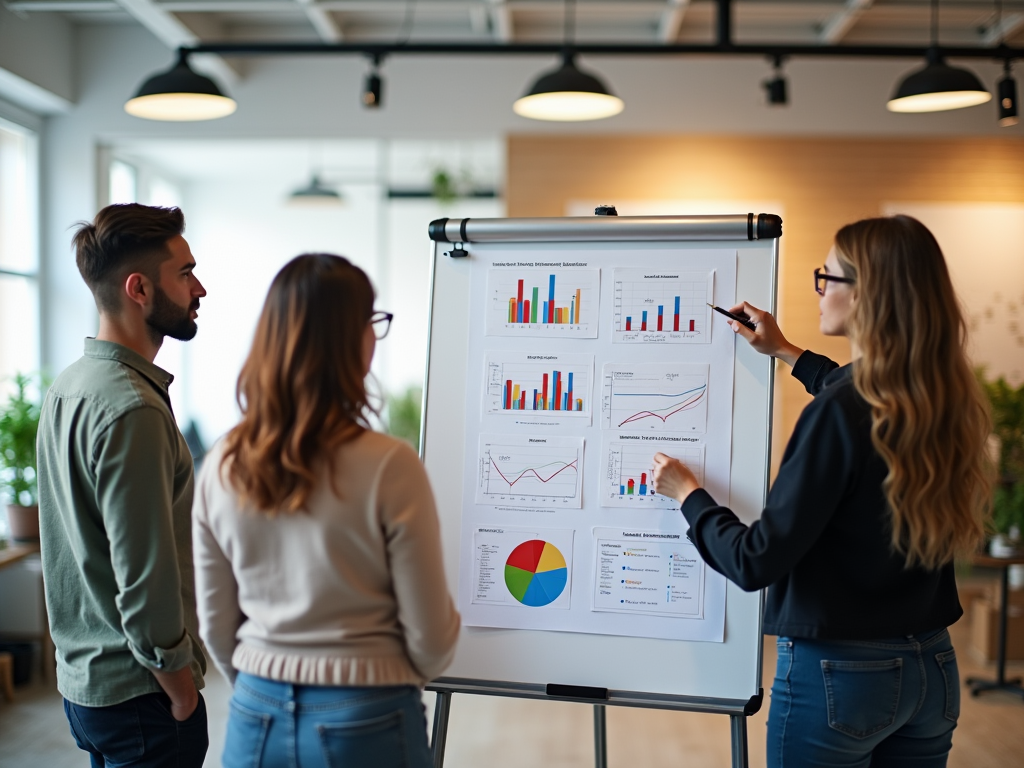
x=109 y=350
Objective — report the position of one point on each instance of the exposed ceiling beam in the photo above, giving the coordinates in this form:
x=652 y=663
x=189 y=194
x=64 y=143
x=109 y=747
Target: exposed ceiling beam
x=672 y=20
x=501 y=20
x=167 y=28
x=322 y=21
x=1008 y=26
x=835 y=29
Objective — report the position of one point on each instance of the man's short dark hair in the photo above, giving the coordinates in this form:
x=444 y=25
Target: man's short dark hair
x=122 y=239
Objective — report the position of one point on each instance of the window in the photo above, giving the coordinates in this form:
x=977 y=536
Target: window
x=19 y=254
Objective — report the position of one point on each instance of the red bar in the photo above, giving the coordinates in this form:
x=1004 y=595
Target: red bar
x=526 y=309
x=545 y=394
x=558 y=390
x=522 y=400
x=675 y=322
x=629 y=322
x=571 y=402
x=630 y=485
x=659 y=322
x=691 y=325
x=508 y=395
x=643 y=478
x=519 y=297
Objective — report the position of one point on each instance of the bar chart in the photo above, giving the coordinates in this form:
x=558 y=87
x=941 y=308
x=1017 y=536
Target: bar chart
x=556 y=302
x=653 y=307
x=659 y=397
x=628 y=470
x=530 y=471
x=550 y=386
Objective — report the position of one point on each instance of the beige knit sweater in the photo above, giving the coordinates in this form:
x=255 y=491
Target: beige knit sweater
x=350 y=593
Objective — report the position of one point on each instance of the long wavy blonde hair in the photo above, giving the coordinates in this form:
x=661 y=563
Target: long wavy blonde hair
x=301 y=390
x=929 y=418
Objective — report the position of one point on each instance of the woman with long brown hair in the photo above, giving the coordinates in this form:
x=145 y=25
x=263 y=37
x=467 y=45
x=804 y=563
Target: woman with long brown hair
x=884 y=482
x=320 y=585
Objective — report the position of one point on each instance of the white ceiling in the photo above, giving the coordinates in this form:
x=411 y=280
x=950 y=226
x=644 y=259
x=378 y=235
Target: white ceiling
x=183 y=22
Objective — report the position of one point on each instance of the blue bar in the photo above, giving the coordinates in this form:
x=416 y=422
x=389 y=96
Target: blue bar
x=661 y=310
x=677 y=305
x=519 y=312
x=644 y=321
x=570 y=384
x=572 y=312
x=551 y=291
x=535 y=399
x=545 y=317
x=622 y=490
x=643 y=490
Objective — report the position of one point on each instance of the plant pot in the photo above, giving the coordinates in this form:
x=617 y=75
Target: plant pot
x=23 y=522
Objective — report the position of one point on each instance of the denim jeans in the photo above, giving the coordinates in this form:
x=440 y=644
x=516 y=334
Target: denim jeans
x=880 y=703
x=281 y=725
x=140 y=732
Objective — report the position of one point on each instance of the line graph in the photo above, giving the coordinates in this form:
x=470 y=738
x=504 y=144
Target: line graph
x=655 y=396
x=529 y=471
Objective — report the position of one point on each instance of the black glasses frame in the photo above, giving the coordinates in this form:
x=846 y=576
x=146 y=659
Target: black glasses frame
x=377 y=318
x=821 y=278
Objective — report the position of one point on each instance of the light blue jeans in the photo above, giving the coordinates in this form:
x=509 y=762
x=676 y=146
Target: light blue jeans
x=882 y=704
x=280 y=725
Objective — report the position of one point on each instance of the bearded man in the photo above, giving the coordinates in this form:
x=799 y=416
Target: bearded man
x=115 y=504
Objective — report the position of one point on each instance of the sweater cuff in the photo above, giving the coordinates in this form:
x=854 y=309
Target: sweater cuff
x=808 y=369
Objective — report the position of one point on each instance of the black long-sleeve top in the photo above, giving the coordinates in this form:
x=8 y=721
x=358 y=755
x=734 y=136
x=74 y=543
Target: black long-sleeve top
x=823 y=543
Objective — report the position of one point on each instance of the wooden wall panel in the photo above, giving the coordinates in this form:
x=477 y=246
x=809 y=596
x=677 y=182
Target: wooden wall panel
x=823 y=183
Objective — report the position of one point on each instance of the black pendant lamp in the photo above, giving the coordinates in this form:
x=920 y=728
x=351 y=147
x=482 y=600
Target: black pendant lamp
x=180 y=94
x=316 y=193
x=568 y=94
x=937 y=87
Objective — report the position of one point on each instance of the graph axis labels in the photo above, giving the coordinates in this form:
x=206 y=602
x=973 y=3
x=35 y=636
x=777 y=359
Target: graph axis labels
x=530 y=471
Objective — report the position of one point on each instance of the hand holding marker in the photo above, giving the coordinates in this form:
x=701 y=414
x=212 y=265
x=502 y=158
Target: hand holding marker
x=740 y=318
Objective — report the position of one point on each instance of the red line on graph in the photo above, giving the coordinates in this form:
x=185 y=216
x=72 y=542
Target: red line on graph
x=513 y=482
x=684 y=407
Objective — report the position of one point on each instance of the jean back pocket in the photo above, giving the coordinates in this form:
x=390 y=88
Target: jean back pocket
x=245 y=738
x=951 y=675
x=375 y=743
x=862 y=695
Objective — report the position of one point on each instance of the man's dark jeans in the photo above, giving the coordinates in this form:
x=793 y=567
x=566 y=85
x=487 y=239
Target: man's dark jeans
x=140 y=732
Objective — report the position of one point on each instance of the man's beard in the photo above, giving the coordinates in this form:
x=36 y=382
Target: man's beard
x=168 y=319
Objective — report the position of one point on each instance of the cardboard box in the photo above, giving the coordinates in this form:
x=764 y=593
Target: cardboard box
x=985 y=630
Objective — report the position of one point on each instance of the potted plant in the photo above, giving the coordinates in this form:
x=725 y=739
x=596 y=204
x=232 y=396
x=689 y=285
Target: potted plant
x=1008 y=501
x=19 y=423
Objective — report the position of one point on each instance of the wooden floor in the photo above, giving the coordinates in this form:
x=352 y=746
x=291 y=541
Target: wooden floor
x=490 y=732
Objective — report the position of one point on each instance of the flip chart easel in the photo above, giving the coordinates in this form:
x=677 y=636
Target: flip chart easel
x=601 y=670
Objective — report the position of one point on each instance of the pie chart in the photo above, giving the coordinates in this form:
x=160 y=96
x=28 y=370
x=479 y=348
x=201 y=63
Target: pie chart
x=535 y=573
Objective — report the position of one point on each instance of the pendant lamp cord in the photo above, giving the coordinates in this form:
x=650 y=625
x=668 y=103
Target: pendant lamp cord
x=569 y=24
x=935 y=23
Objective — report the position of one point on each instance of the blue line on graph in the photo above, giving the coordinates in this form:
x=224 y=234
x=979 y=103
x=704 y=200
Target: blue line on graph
x=657 y=394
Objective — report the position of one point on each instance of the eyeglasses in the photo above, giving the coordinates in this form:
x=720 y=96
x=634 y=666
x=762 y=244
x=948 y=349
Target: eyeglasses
x=821 y=278
x=381 y=322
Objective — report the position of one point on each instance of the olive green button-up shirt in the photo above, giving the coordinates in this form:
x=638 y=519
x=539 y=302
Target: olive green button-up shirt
x=115 y=508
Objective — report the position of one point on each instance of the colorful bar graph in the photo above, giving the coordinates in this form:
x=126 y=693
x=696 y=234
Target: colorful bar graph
x=630 y=488
x=561 y=395
x=523 y=310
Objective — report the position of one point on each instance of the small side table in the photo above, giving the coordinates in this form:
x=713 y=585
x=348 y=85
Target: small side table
x=976 y=684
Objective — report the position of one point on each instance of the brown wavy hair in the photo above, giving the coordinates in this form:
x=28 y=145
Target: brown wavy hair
x=301 y=391
x=929 y=418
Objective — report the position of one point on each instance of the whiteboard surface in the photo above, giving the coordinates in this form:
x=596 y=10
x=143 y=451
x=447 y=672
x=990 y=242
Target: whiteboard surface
x=728 y=670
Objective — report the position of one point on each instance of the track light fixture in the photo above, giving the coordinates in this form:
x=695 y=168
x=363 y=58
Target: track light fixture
x=1007 y=93
x=373 y=85
x=776 y=88
x=180 y=94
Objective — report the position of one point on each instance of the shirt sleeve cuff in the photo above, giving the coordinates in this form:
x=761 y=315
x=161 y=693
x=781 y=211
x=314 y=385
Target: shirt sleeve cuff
x=171 y=659
x=696 y=503
x=810 y=368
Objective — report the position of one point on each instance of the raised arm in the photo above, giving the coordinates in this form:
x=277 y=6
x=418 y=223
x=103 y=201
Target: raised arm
x=768 y=338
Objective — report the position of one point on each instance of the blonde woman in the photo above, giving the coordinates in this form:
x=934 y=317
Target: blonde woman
x=883 y=483
x=320 y=587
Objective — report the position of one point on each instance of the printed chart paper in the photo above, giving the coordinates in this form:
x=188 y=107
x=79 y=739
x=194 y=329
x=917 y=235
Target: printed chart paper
x=659 y=397
x=530 y=471
x=628 y=467
x=523 y=569
x=554 y=302
x=651 y=572
x=654 y=306
x=533 y=388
